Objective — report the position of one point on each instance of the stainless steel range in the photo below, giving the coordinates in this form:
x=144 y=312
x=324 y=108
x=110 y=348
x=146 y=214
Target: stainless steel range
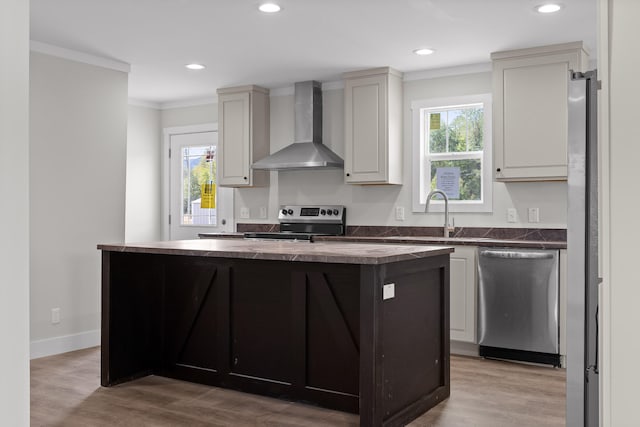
x=306 y=222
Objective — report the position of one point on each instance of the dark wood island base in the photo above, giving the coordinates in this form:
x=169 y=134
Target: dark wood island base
x=361 y=333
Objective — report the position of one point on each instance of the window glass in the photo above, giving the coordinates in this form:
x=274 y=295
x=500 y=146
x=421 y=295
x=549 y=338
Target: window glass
x=198 y=174
x=452 y=152
x=470 y=181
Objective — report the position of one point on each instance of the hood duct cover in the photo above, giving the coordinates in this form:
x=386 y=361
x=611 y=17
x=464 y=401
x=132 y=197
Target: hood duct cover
x=307 y=151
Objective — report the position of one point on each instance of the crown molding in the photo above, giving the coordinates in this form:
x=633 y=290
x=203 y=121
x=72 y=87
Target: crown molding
x=143 y=103
x=482 y=67
x=77 y=56
x=332 y=85
x=189 y=103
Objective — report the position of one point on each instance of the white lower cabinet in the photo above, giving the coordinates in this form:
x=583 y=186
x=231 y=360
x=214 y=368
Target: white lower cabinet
x=462 y=294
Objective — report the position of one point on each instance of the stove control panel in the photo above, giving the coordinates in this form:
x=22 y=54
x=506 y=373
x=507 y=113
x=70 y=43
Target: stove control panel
x=313 y=214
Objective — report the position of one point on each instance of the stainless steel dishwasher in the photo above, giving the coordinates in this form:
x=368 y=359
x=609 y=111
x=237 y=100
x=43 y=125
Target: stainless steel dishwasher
x=518 y=304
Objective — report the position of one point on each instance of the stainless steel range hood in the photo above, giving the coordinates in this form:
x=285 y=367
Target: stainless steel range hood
x=307 y=151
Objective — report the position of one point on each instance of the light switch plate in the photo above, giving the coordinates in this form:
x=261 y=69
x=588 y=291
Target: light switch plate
x=399 y=213
x=512 y=215
x=244 y=213
x=534 y=215
x=388 y=291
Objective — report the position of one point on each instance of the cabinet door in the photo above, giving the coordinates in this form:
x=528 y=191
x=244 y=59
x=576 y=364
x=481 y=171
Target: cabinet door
x=190 y=315
x=366 y=129
x=260 y=323
x=530 y=120
x=534 y=121
x=235 y=137
x=462 y=294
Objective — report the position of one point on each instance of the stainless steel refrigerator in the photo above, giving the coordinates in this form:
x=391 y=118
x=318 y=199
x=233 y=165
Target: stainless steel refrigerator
x=582 y=251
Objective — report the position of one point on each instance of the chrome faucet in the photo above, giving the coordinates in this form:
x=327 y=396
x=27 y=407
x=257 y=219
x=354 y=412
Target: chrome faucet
x=446 y=208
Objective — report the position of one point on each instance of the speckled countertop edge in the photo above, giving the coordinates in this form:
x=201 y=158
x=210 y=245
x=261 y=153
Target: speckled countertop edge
x=339 y=252
x=423 y=240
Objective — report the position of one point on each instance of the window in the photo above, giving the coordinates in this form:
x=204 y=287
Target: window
x=193 y=203
x=198 y=174
x=452 y=152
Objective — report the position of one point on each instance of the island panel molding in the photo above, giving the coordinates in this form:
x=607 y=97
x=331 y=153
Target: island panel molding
x=316 y=331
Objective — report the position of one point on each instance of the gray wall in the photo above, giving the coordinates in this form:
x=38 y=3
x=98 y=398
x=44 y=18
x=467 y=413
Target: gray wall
x=620 y=205
x=142 y=222
x=186 y=116
x=14 y=214
x=77 y=189
x=375 y=205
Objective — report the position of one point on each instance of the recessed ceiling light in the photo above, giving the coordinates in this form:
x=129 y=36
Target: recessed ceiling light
x=195 y=66
x=424 y=51
x=548 y=8
x=269 y=8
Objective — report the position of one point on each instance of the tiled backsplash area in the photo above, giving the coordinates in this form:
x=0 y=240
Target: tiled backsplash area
x=534 y=234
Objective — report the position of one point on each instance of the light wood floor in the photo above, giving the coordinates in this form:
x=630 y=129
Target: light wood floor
x=65 y=391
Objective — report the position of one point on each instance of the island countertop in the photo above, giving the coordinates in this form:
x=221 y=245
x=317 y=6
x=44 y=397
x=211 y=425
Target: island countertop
x=420 y=240
x=325 y=252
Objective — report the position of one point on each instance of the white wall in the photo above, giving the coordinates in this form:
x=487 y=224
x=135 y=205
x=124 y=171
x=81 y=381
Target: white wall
x=186 y=116
x=142 y=223
x=77 y=192
x=375 y=205
x=14 y=214
x=621 y=234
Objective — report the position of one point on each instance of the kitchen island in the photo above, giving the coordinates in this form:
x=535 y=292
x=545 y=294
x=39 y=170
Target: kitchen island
x=350 y=326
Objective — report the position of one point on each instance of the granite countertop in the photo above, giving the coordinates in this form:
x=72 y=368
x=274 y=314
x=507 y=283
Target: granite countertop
x=423 y=240
x=327 y=252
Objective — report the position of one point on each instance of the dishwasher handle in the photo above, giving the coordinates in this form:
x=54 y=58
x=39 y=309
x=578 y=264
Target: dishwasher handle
x=516 y=254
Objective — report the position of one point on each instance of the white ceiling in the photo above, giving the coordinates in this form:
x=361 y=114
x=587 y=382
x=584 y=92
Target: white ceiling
x=308 y=39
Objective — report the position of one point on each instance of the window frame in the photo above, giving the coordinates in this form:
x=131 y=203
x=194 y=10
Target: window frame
x=422 y=160
x=166 y=233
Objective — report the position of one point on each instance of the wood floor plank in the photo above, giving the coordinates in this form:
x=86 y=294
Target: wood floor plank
x=65 y=391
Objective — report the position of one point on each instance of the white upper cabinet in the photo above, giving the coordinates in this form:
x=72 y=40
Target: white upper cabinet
x=530 y=90
x=243 y=135
x=373 y=126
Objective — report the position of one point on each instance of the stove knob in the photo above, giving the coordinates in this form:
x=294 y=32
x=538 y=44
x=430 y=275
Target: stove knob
x=290 y=211
x=336 y=212
x=329 y=212
x=323 y=212
x=283 y=211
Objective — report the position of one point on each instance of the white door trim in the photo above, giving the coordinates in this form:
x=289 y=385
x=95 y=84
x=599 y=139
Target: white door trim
x=166 y=141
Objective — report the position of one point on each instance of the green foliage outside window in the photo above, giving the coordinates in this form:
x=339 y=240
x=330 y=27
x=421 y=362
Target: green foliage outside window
x=453 y=132
x=470 y=176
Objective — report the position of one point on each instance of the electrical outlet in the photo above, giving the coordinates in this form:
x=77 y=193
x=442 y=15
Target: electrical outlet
x=512 y=215
x=245 y=213
x=55 y=316
x=399 y=213
x=263 y=211
x=534 y=215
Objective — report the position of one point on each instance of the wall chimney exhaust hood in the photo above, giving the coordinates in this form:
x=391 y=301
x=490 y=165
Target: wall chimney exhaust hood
x=307 y=151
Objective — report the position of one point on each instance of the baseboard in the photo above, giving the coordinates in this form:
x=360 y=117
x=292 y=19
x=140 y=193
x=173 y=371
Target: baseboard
x=65 y=343
x=463 y=348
